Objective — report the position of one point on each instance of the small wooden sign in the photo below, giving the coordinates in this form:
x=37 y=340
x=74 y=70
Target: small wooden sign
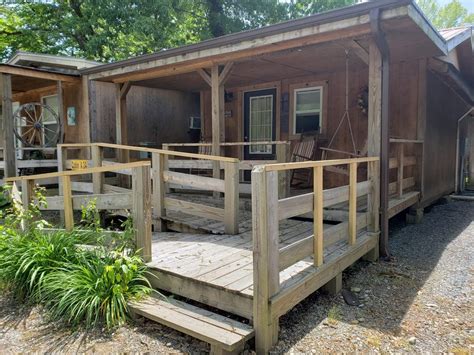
x=78 y=164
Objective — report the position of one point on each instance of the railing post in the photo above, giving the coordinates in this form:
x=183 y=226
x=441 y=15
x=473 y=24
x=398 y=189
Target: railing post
x=352 y=203
x=282 y=156
x=158 y=197
x=141 y=209
x=97 y=178
x=27 y=189
x=67 y=203
x=62 y=162
x=318 y=215
x=401 y=158
x=165 y=164
x=231 y=197
x=266 y=277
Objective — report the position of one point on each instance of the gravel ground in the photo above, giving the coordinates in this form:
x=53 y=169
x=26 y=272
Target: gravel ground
x=421 y=301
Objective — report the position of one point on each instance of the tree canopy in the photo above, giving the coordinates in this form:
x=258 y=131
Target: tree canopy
x=117 y=29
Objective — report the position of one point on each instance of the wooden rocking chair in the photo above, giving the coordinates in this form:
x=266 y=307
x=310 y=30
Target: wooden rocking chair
x=303 y=150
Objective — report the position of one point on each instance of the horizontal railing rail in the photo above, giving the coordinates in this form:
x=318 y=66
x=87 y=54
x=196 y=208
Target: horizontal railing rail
x=164 y=179
x=137 y=199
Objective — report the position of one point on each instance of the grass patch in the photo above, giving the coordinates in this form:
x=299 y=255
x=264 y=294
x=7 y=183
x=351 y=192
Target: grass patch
x=77 y=285
x=334 y=315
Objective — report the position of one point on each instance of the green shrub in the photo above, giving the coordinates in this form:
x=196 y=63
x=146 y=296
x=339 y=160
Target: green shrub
x=96 y=288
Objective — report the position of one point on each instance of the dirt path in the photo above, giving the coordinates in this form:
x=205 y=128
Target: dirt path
x=420 y=302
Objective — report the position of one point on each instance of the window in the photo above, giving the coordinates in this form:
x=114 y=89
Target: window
x=307 y=109
x=261 y=123
x=50 y=124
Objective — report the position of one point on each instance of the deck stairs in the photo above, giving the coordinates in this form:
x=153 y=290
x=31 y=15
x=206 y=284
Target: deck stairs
x=225 y=335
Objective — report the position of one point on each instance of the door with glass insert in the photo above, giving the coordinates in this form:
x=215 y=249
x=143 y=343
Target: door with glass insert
x=259 y=123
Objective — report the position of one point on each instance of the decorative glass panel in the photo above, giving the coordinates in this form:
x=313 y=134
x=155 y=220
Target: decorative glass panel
x=261 y=123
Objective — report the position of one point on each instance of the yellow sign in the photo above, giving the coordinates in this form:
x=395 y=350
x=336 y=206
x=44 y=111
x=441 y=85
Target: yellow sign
x=78 y=164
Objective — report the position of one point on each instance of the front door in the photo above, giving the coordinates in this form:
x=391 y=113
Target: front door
x=259 y=124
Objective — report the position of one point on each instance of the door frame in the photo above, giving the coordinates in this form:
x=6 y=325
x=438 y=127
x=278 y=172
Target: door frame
x=275 y=125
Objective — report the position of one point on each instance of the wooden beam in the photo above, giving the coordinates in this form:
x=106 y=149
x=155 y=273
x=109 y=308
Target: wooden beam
x=8 y=126
x=401 y=158
x=360 y=51
x=67 y=198
x=97 y=178
x=85 y=111
x=125 y=89
x=318 y=227
x=226 y=72
x=158 y=197
x=216 y=121
x=205 y=76
x=374 y=137
x=59 y=90
x=141 y=210
x=231 y=198
x=35 y=73
x=352 y=203
x=266 y=274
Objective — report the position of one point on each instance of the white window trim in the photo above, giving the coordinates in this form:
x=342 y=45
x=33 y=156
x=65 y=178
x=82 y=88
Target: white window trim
x=250 y=123
x=320 y=111
x=43 y=102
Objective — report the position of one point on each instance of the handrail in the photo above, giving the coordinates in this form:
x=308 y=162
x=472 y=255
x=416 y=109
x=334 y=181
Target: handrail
x=225 y=144
x=317 y=163
x=101 y=169
x=152 y=150
x=402 y=140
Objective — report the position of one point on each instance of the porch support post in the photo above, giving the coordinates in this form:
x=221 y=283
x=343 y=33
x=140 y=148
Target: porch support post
x=123 y=156
x=8 y=124
x=379 y=68
x=374 y=133
x=59 y=89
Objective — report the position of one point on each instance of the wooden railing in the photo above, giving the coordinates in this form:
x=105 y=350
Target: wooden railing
x=403 y=162
x=163 y=179
x=282 y=155
x=267 y=210
x=137 y=199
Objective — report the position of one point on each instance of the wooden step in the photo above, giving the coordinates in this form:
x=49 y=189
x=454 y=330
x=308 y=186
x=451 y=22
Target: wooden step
x=224 y=334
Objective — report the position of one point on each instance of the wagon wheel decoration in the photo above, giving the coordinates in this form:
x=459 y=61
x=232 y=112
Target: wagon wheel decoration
x=37 y=125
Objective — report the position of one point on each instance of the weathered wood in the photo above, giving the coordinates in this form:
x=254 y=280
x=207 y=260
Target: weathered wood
x=141 y=191
x=374 y=137
x=318 y=216
x=334 y=264
x=27 y=192
x=39 y=74
x=107 y=201
x=194 y=209
x=59 y=90
x=406 y=184
x=216 y=120
x=97 y=178
x=8 y=126
x=301 y=204
x=231 y=198
x=194 y=181
x=67 y=203
x=221 y=332
x=352 y=203
x=265 y=249
x=282 y=155
x=313 y=164
x=401 y=158
x=334 y=286
x=158 y=197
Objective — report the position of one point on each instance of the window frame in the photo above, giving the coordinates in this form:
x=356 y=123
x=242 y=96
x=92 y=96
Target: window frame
x=44 y=103
x=307 y=86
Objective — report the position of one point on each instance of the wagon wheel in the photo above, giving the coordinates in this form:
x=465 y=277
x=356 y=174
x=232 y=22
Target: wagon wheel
x=37 y=125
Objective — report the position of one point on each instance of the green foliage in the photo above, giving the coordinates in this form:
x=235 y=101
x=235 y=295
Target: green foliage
x=119 y=29
x=79 y=277
x=98 y=287
x=452 y=14
x=90 y=216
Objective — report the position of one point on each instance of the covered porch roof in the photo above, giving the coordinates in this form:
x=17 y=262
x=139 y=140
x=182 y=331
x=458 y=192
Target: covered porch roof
x=293 y=48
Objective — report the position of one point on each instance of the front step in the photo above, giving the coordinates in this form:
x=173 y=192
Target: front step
x=224 y=334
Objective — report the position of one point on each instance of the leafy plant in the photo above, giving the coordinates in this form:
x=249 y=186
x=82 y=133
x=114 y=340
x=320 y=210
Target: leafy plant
x=96 y=288
x=90 y=216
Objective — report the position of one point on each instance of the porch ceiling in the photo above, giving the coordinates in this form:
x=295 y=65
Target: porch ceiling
x=23 y=84
x=296 y=62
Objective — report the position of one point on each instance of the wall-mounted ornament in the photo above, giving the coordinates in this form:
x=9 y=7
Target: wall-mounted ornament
x=363 y=100
x=71 y=116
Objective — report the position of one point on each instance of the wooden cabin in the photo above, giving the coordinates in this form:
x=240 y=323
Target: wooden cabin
x=363 y=105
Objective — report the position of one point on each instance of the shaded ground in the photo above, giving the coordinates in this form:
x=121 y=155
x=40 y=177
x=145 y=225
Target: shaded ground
x=422 y=301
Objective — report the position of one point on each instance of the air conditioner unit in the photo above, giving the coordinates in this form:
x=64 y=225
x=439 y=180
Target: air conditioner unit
x=194 y=122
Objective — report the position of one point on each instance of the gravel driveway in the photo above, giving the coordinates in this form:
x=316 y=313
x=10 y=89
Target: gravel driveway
x=422 y=301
